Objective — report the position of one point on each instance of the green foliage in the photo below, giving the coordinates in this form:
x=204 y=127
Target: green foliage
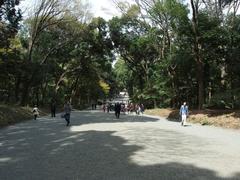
x=167 y=47
x=161 y=51
x=69 y=60
x=9 y=21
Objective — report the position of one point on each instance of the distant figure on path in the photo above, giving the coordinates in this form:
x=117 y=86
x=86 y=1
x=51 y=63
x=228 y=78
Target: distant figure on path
x=94 y=105
x=142 y=108
x=35 y=112
x=108 y=107
x=67 y=111
x=183 y=113
x=53 y=108
x=104 y=107
x=137 y=109
x=117 y=110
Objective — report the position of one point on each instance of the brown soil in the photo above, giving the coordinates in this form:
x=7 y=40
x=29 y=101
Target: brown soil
x=221 y=118
x=14 y=114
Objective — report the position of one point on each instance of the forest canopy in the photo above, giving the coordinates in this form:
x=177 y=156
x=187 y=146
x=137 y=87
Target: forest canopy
x=165 y=52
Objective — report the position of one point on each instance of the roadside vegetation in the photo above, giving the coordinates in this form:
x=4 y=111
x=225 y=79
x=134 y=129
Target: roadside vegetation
x=14 y=114
x=220 y=118
x=165 y=52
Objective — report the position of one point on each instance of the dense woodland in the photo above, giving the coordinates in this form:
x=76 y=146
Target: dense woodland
x=164 y=52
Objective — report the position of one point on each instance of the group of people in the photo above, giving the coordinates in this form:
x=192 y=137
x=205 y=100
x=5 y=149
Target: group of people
x=107 y=107
x=118 y=108
x=67 y=108
x=121 y=107
x=139 y=108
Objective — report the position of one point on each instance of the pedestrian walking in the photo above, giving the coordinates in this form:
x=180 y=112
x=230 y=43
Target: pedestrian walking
x=104 y=107
x=131 y=108
x=137 y=109
x=108 y=107
x=35 y=112
x=117 y=110
x=142 y=108
x=183 y=113
x=67 y=111
x=53 y=108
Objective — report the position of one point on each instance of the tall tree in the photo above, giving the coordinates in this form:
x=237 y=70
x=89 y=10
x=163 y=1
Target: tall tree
x=9 y=21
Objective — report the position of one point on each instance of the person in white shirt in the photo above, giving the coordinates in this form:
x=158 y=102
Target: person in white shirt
x=184 y=113
x=35 y=112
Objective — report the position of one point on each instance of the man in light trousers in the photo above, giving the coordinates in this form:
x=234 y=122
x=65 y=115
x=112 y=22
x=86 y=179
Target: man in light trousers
x=184 y=113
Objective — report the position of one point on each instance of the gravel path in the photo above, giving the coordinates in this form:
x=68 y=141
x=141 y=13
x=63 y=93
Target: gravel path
x=99 y=147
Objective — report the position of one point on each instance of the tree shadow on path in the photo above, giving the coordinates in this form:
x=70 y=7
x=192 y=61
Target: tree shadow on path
x=48 y=150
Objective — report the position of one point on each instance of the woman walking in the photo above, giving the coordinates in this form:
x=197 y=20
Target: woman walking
x=67 y=111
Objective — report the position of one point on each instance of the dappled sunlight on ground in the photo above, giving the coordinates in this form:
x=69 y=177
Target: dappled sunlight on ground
x=5 y=159
x=98 y=146
x=160 y=146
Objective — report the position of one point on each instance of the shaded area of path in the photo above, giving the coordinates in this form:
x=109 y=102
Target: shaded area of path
x=99 y=147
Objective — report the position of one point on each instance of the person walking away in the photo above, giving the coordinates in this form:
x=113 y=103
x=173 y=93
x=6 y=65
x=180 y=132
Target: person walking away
x=142 y=108
x=137 y=109
x=128 y=108
x=53 y=109
x=123 y=108
x=183 y=113
x=108 y=107
x=104 y=107
x=35 y=112
x=67 y=111
x=131 y=108
x=117 y=110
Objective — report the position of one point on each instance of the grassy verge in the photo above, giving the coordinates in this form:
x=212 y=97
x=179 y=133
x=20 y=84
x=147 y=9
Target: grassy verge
x=221 y=118
x=14 y=114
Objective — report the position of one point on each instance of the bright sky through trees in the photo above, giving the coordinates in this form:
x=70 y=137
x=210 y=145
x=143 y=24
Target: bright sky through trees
x=102 y=8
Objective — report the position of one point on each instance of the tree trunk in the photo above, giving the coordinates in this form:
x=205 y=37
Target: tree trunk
x=200 y=74
x=155 y=103
x=197 y=53
x=209 y=92
x=37 y=96
x=74 y=88
x=27 y=85
x=17 y=86
x=25 y=93
x=43 y=92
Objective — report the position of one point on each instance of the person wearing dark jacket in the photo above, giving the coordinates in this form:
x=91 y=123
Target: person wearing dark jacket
x=67 y=111
x=53 y=109
x=117 y=110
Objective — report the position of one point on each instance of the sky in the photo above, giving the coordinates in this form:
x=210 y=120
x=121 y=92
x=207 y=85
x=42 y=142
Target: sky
x=102 y=8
